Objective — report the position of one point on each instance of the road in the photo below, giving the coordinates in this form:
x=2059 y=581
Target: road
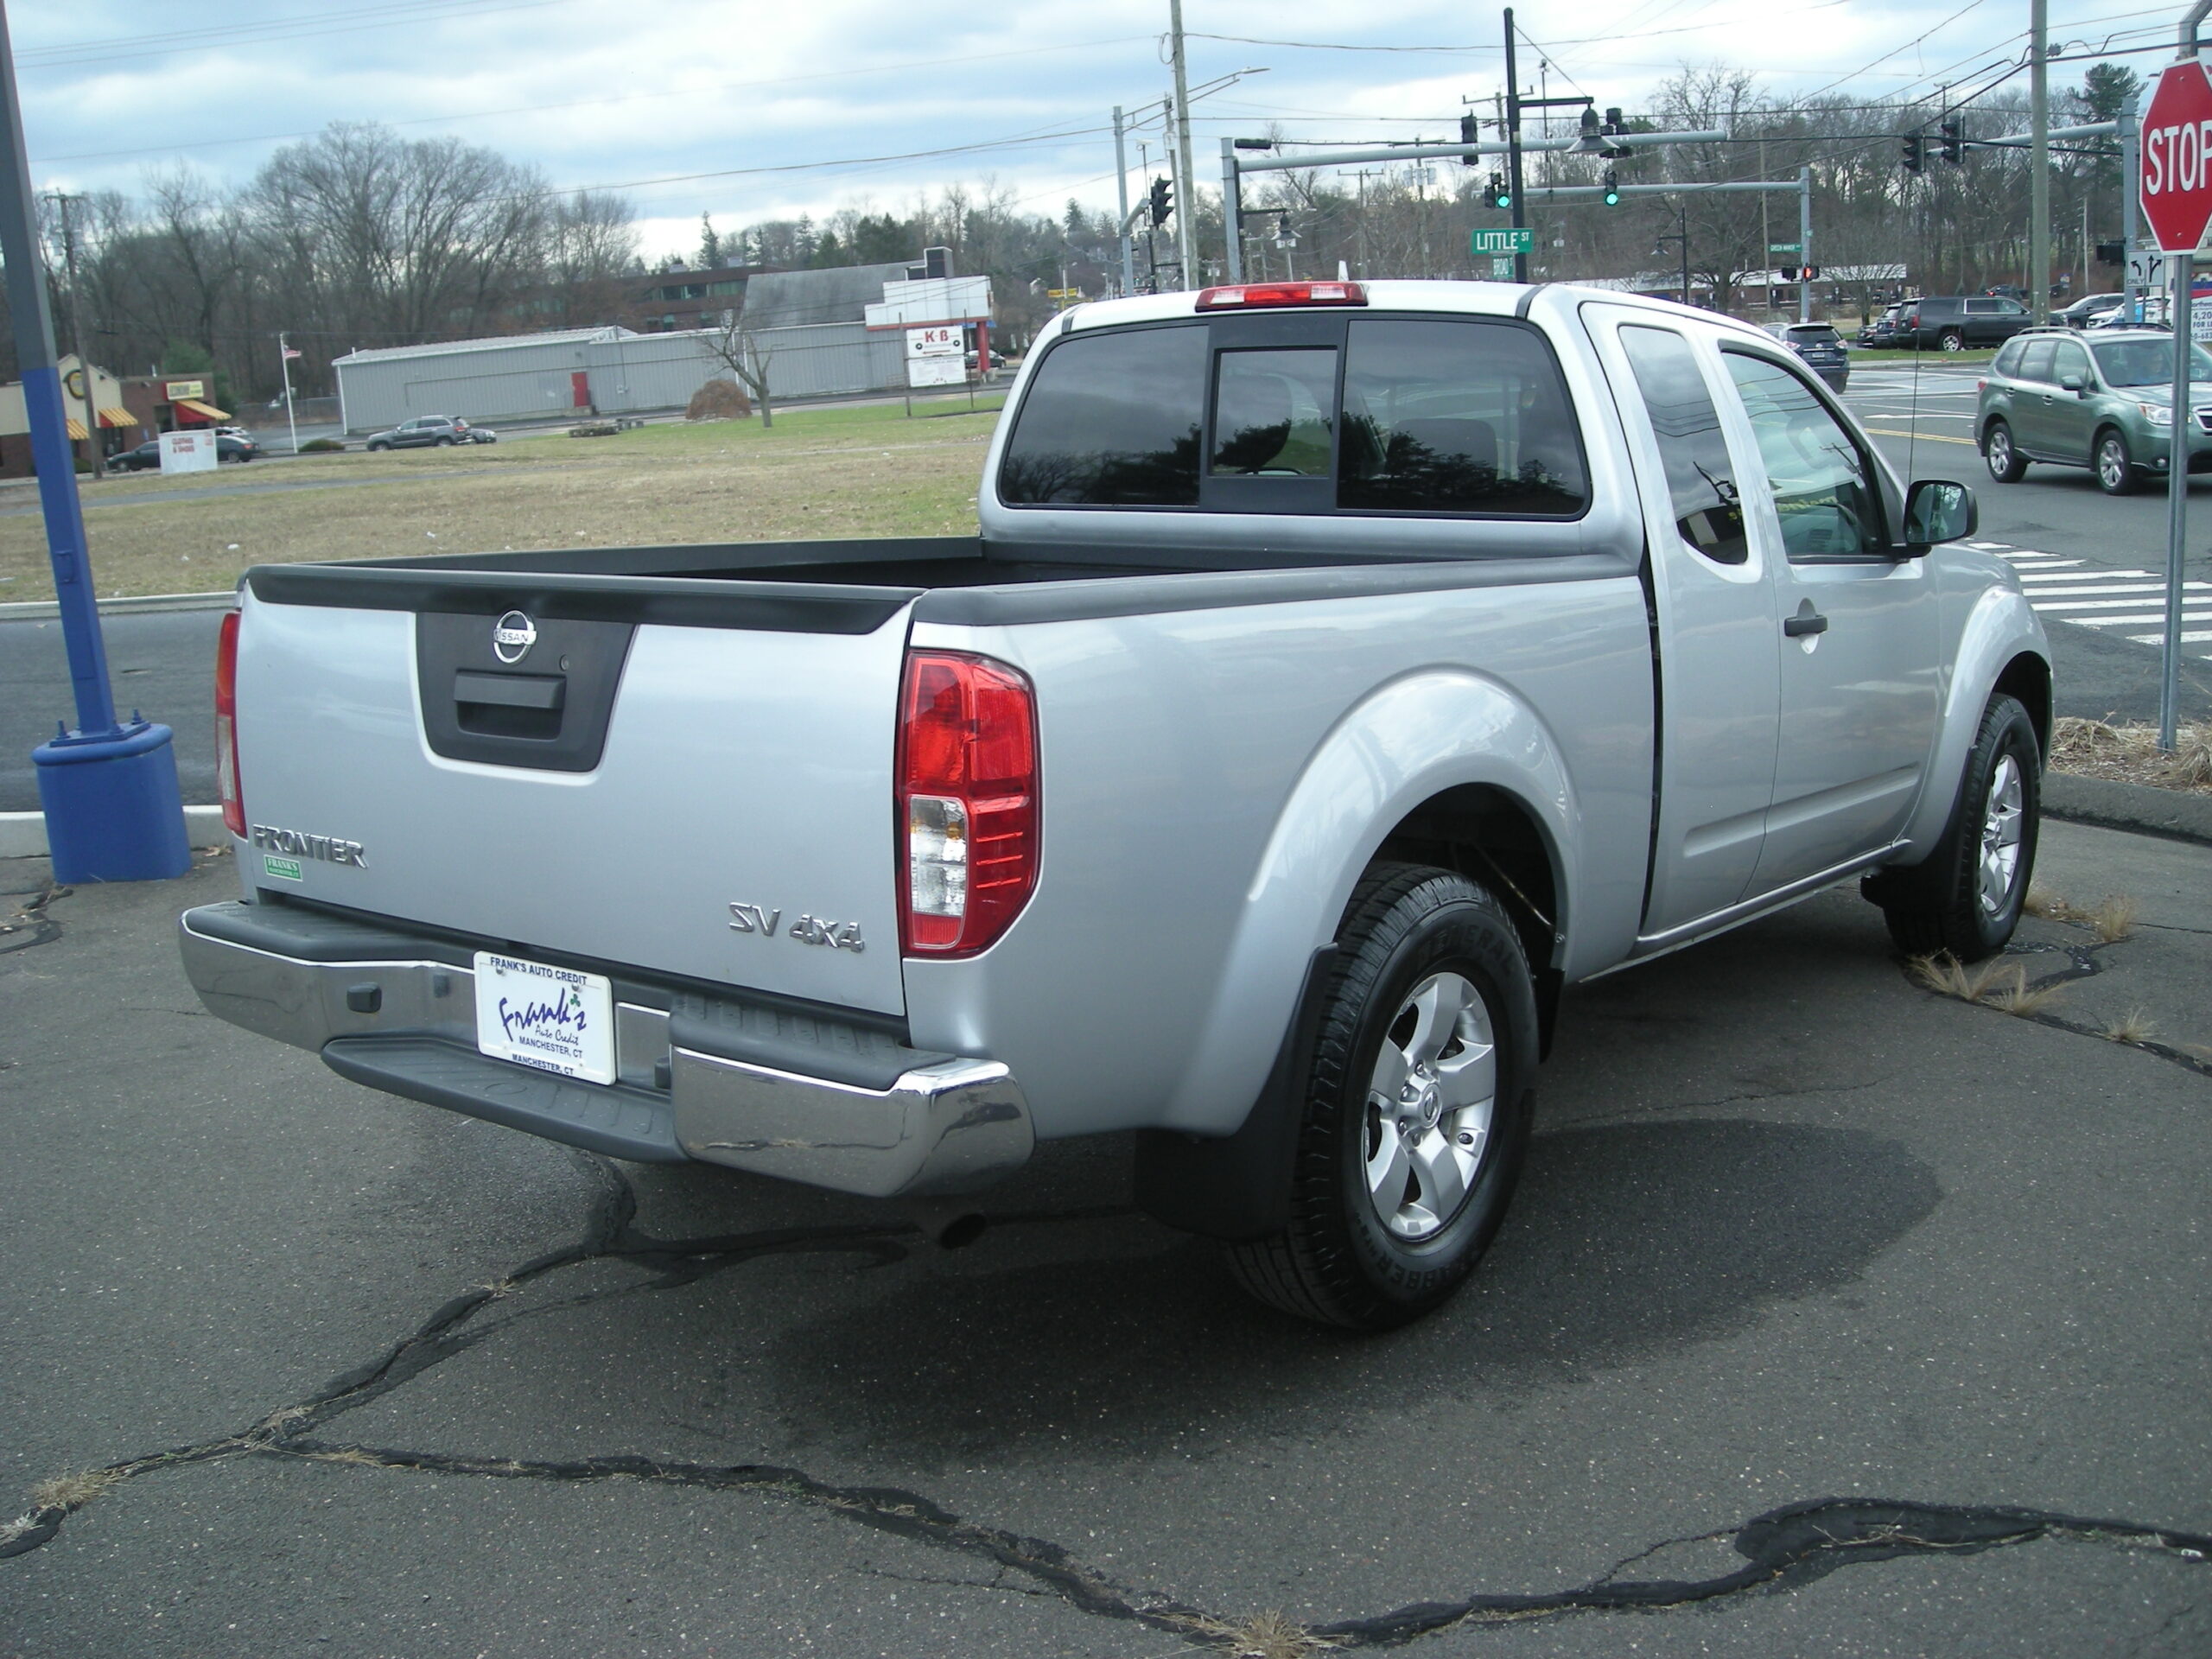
x=2067 y=537
x=1832 y=1316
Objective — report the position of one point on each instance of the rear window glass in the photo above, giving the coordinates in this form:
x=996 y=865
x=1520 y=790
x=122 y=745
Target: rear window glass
x=1818 y=333
x=1448 y=416
x=1274 y=413
x=1111 y=419
x=1700 y=477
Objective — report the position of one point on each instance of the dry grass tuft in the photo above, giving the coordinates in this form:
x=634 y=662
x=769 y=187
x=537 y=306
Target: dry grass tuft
x=2114 y=918
x=499 y=1289
x=2129 y=753
x=1270 y=1635
x=2041 y=901
x=11 y=1530
x=1997 y=983
x=72 y=1492
x=2134 y=1027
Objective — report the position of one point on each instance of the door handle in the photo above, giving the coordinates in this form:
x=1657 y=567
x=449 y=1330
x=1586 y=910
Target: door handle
x=1804 y=623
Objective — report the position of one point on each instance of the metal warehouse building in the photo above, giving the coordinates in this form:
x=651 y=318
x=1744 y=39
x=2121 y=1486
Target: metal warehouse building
x=610 y=371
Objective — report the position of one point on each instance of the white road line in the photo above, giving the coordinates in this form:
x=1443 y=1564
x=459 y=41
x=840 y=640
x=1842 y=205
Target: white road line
x=2200 y=638
x=2066 y=595
x=2053 y=577
x=2137 y=620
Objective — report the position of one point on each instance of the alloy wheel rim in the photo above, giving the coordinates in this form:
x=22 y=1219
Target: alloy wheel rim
x=2001 y=451
x=2110 y=466
x=1431 y=1101
x=2003 y=823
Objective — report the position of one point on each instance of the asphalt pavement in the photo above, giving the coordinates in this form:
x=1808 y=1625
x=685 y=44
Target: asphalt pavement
x=1832 y=1316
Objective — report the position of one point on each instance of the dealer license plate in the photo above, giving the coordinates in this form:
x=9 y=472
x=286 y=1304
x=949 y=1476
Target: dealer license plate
x=554 y=1018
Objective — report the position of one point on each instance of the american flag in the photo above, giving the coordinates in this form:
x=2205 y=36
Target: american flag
x=291 y=352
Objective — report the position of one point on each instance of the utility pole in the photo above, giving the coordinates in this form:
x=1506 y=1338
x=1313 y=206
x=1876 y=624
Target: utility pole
x=1121 y=184
x=1804 y=242
x=2130 y=137
x=284 y=362
x=1185 y=209
x=2039 y=179
x=62 y=201
x=1513 y=151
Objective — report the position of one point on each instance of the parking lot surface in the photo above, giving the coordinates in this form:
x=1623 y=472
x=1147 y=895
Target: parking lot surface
x=1834 y=1315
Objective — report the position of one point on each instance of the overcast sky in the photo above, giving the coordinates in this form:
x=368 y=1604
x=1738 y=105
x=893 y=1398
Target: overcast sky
x=753 y=110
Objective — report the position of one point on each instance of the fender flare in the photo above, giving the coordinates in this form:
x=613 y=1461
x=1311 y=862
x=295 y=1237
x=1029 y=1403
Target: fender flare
x=2000 y=630
x=1407 y=742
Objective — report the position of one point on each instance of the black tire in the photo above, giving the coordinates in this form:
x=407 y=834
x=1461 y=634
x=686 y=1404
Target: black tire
x=2005 y=464
x=373 y=448
x=445 y=443
x=1341 y=1260
x=1952 y=340
x=1940 y=904
x=2112 y=463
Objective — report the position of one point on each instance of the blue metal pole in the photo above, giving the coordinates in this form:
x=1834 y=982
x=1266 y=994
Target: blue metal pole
x=48 y=420
x=110 y=791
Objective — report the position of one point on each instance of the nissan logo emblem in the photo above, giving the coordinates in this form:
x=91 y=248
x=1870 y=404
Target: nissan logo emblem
x=512 y=636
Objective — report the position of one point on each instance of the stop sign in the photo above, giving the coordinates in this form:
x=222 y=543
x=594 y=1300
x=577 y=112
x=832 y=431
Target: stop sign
x=2177 y=168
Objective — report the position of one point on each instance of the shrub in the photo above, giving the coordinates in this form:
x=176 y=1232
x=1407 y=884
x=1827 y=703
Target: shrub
x=321 y=447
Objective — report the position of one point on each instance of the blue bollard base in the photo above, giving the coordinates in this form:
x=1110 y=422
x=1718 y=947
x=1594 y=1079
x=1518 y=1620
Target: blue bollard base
x=113 y=810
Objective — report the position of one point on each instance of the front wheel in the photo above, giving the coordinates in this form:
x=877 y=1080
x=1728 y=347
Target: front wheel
x=2005 y=464
x=1966 y=898
x=2115 y=467
x=373 y=448
x=1416 y=1117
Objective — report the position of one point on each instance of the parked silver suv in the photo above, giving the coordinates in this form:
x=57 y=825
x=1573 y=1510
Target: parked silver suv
x=423 y=432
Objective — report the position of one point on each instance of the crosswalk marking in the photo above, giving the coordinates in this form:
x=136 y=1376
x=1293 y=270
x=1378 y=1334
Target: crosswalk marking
x=2120 y=599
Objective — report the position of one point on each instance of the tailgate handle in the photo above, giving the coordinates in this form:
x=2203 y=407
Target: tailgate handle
x=543 y=691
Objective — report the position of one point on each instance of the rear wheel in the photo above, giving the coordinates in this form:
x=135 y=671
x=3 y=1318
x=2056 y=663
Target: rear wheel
x=1416 y=1110
x=1966 y=897
x=2005 y=464
x=1952 y=340
x=445 y=443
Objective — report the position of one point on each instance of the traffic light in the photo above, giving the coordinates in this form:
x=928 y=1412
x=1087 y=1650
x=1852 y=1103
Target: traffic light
x=2111 y=253
x=1788 y=273
x=1954 y=143
x=1497 y=194
x=1161 y=206
x=1612 y=197
x=1916 y=151
x=1471 y=132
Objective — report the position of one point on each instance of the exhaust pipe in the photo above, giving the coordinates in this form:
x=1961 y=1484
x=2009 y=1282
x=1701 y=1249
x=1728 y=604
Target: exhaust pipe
x=950 y=1225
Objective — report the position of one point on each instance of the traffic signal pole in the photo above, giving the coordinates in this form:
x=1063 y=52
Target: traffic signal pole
x=1512 y=136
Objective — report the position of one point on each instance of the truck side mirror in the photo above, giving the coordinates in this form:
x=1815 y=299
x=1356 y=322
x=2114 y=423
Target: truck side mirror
x=1937 y=509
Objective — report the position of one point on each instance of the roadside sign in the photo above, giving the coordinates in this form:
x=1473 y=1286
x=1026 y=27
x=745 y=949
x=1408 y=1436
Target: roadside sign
x=1508 y=241
x=1501 y=267
x=2176 y=183
x=1783 y=247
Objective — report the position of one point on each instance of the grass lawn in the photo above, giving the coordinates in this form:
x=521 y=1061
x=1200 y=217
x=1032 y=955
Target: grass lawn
x=847 y=471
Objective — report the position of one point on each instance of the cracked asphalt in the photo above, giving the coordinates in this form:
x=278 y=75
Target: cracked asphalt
x=1833 y=1316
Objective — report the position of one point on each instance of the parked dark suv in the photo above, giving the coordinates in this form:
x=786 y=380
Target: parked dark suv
x=1955 y=321
x=424 y=431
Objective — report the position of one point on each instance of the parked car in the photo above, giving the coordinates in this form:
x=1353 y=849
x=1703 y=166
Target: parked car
x=1339 y=670
x=995 y=365
x=1954 y=321
x=1821 y=346
x=1883 y=331
x=423 y=432
x=2086 y=312
x=482 y=435
x=149 y=454
x=2105 y=404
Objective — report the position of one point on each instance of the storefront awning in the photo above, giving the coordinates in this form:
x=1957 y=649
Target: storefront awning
x=76 y=430
x=209 y=410
x=117 y=418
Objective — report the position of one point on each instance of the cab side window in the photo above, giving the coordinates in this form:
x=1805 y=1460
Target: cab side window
x=1823 y=484
x=1700 y=477
x=2070 y=361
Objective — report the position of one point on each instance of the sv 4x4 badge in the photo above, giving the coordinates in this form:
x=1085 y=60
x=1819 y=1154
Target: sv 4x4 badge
x=807 y=929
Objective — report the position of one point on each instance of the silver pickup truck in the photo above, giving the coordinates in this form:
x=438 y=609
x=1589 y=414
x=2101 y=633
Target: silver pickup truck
x=1340 y=671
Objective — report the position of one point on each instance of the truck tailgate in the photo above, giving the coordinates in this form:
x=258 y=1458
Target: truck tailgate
x=676 y=787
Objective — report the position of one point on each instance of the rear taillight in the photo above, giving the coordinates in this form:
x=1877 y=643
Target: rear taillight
x=226 y=725
x=1243 y=295
x=967 y=817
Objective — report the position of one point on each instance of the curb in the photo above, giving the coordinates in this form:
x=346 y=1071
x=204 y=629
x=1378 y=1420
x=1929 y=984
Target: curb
x=2178 y=815
x=39 y=610
x=22 y=834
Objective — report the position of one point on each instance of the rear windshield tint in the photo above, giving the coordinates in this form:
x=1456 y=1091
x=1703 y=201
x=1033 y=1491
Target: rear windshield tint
x=1111 y=419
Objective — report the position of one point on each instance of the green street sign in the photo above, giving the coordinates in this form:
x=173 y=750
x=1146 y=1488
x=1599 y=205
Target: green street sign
x=1509 y=241
x=1783 y=247
x=1501 y=267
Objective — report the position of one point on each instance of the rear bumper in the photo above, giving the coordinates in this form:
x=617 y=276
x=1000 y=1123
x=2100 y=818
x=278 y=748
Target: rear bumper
x=802 y=1097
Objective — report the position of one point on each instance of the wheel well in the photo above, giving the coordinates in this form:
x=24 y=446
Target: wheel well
x=1487 y=834
x=2027 y=677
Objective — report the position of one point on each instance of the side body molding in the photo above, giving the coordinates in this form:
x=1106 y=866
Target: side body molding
x=2000 y=628
x=1432 y=730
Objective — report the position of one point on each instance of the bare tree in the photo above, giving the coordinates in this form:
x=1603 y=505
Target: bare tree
x=747 y=356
